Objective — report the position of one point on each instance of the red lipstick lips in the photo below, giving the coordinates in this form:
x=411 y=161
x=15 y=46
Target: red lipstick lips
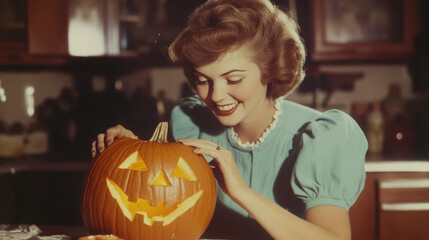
x=226 y=112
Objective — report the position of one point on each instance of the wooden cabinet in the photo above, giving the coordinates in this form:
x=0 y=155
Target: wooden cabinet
x=38 y=32
x=403 y=208
x=394 y=202
x=13 y=25
x=47 y=35
x=13 y=30
x=47 y=27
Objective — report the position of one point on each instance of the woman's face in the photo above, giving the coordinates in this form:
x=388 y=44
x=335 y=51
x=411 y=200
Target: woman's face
x=232 y=88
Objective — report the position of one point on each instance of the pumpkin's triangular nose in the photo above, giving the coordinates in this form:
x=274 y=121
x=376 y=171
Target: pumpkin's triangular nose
x=160 y=179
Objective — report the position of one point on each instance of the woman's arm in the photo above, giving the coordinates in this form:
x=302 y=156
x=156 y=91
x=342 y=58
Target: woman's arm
x=322 y=222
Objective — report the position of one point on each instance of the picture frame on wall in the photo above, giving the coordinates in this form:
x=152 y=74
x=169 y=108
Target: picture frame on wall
x=363 y=30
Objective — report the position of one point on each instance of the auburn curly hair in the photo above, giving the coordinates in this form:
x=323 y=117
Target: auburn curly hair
x=220 y=25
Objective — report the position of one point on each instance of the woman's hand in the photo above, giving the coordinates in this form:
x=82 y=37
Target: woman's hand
x=105 y=139
x=230 y=179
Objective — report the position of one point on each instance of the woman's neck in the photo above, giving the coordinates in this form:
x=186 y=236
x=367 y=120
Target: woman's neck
x=253 y=128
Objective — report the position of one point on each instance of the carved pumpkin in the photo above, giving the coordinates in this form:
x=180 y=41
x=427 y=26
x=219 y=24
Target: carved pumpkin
x=149 y=190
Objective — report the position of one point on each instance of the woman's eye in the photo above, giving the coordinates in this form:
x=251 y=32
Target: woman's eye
x=201 y=81
x=235 y=80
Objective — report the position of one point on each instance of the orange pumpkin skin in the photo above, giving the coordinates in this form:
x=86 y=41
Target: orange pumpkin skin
x=104 y=214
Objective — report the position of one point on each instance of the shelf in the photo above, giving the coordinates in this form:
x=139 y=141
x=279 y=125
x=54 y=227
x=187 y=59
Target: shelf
x=112 y=65
x=13 y=26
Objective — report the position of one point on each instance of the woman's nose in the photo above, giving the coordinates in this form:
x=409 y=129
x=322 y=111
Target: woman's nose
x=218 y=92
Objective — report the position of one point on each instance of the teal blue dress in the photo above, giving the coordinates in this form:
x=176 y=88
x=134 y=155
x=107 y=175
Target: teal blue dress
x=304 y=159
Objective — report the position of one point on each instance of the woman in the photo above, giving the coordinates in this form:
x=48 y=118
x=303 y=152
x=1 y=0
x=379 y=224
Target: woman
x=285 y=171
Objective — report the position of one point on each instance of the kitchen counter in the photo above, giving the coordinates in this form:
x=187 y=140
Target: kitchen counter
x=15 y=167
x=26 y=231
x=382 y=163
x=61 y=163
x=44 y=163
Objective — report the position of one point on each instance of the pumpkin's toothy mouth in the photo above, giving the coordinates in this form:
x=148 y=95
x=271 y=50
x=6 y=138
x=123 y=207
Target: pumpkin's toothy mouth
x=150 y=213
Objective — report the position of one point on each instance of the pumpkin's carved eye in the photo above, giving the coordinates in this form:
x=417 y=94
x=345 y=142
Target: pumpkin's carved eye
x=134 y=162
x=183 y=170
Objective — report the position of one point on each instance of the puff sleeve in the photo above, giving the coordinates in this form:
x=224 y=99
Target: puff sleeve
x=329 y=168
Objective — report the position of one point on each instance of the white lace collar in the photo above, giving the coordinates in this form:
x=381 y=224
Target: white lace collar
x=266 y=132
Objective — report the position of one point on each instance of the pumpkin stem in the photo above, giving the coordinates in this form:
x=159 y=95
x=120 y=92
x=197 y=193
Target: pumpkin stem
x=160 y=134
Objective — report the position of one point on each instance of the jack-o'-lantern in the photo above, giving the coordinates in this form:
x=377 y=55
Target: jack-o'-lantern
x=149 y=190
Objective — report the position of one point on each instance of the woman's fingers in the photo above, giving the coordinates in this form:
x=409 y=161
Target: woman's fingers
x=93 y=149
x=118 y=131
x=100 y=142
x=111 y=134
x=200 y=143
x=202 y=146
x=222 y=156
x=98 y=145
x=103 y=140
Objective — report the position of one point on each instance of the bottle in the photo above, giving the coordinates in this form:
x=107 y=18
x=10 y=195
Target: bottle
x=393 y=104
x=375 y=129
x=399 y=139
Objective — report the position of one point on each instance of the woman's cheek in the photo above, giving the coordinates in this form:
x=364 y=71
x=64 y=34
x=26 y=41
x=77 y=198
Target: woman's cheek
x=202 y=92
x=243 y=92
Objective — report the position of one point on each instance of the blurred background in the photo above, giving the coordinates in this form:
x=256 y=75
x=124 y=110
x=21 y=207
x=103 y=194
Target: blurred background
x=71 y=68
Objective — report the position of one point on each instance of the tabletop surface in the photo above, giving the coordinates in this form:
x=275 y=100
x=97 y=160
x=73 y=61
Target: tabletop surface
x=46 y=232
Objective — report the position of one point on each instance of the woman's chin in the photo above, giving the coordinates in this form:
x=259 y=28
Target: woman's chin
x=227 y=121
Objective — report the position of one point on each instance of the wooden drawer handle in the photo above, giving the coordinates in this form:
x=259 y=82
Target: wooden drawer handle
x=423 y=206
x=405 y=183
